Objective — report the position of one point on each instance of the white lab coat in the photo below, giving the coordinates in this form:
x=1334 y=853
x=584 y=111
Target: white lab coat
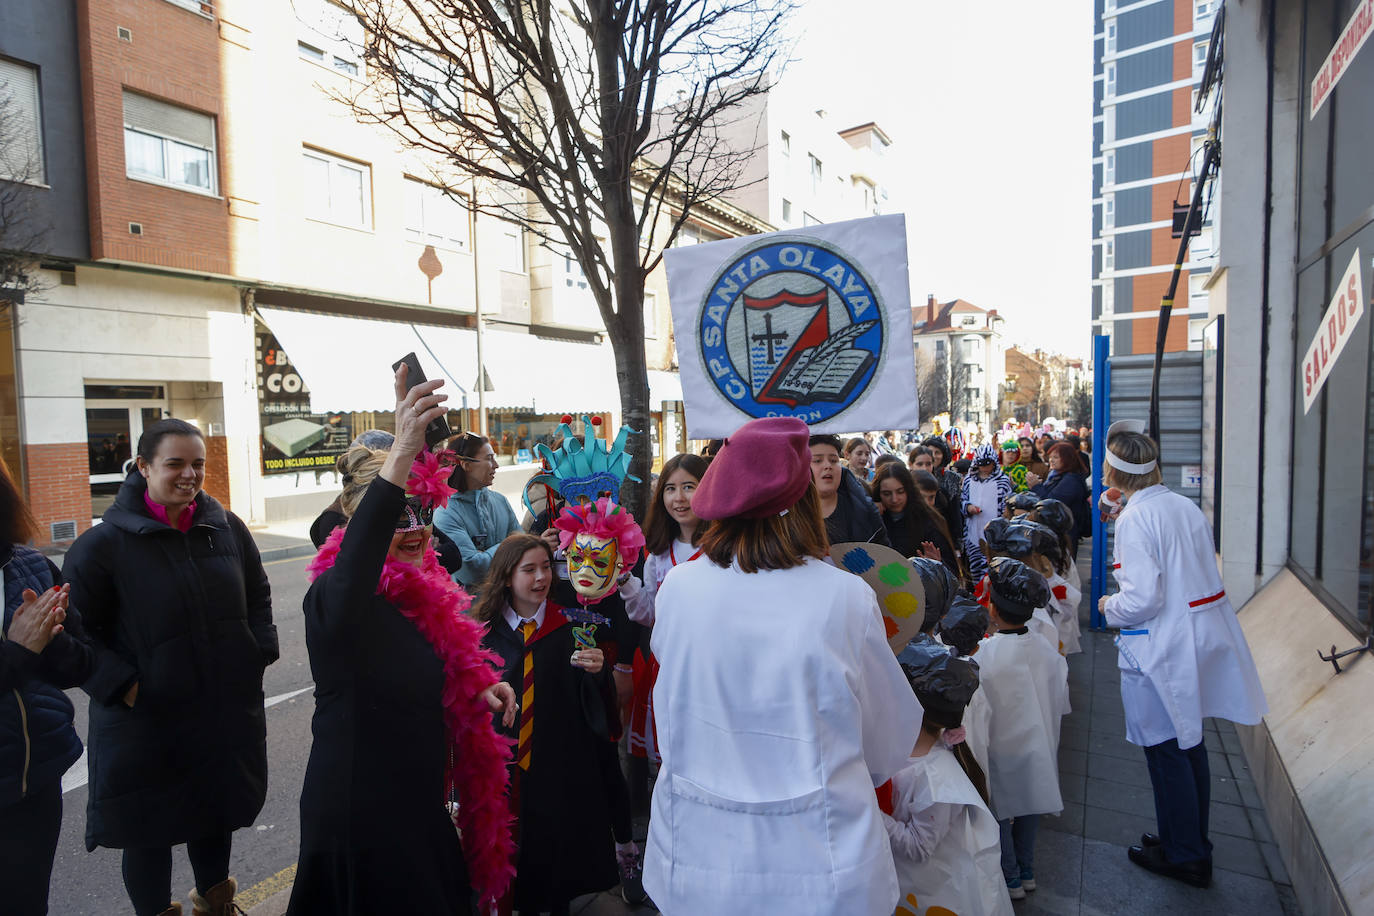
x=1027 y=685
x=1064 y=598
x=780 y=707
x=1181 y=651
x=945 y=841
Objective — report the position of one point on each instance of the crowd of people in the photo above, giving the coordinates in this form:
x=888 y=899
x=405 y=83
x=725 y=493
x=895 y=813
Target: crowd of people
x=470 y=705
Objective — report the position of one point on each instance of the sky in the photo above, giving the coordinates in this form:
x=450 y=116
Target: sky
x=989 y=108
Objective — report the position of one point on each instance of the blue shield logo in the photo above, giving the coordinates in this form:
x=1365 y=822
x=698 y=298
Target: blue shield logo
x=792 y=328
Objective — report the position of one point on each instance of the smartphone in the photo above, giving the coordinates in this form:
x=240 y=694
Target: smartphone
x=437 y=430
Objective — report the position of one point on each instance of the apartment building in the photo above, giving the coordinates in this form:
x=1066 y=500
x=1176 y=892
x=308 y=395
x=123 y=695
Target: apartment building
x=965 y=343
x=1148 y=60
x=803 y=168
x=230 y=246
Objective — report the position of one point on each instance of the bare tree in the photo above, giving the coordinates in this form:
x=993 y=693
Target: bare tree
x=932 y=384
x=23 y=231
x=594 y=124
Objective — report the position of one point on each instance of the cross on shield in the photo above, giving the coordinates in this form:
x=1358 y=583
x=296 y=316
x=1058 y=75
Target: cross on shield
x=780 y=329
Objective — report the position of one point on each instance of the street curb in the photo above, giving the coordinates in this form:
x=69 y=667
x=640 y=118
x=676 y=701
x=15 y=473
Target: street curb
x=272 y=554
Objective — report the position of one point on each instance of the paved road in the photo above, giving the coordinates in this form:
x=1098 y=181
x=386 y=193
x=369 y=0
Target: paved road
x=89 y=884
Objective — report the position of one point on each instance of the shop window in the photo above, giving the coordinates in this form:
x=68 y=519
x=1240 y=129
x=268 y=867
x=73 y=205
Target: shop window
x=168 y=144
x=21 y=138
x=337 y=190
x=434 y=217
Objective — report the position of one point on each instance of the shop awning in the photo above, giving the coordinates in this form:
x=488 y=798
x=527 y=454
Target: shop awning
x=346 y=362
x=547 y=376
x=663 y=386
x=335 y=355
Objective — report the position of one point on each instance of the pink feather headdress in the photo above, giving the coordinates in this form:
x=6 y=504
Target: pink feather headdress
x=602 y=519
x=428 y=481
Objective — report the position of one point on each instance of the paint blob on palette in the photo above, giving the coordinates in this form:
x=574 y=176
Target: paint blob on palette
x=901 y=597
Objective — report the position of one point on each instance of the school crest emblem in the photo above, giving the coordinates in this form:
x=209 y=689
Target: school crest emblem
x=792 y=327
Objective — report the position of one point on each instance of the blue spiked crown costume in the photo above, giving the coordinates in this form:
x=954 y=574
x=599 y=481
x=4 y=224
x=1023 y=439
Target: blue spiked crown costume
x=586 y=467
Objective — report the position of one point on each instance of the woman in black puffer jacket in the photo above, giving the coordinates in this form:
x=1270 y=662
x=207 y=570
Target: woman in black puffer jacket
x=180 y=614
x=41 y=654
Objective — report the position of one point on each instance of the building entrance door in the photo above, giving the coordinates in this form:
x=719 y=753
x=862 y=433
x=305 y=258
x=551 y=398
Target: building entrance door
x=113 y=426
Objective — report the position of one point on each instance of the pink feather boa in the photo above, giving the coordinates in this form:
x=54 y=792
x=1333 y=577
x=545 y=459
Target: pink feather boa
x=428 y=598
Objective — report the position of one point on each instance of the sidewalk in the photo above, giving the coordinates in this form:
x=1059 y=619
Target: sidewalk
x=283 y=541
x=1081 y=865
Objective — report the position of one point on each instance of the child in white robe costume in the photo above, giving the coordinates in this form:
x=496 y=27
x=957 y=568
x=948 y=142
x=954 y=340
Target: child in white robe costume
x=945 y=841
x=962 y=629
x=1026 y=681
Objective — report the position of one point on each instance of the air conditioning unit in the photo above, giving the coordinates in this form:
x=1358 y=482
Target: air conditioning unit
x=62 y=531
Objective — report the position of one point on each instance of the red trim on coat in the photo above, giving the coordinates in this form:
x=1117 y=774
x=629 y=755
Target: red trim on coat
x=1201 y=601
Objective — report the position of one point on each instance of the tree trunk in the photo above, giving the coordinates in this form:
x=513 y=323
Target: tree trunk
x=626 y=329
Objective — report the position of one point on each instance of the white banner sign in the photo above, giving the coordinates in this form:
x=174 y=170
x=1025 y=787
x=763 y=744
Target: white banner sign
x=1336 y=329
x=1342 y=53
x=812 y=323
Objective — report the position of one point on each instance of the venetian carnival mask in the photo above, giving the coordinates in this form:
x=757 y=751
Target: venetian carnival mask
x=593 y=565
x=600 y=540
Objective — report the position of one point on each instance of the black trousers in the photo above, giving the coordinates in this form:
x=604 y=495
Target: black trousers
x=28 y=843
x=1182 y=782
x=148 y=871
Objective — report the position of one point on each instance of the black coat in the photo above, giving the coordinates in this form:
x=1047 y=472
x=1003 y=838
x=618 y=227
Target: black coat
x=332 y=517
x=907 y=533
x=375 y=836
x=856 y=516
x=37 y=740
x=564 y=824
x=188 y=617
x=1071 y=489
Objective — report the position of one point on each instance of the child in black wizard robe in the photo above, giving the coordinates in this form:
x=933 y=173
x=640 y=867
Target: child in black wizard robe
x=559 y=783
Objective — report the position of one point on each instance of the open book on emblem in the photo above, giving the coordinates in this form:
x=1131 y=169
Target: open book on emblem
x=828 y=372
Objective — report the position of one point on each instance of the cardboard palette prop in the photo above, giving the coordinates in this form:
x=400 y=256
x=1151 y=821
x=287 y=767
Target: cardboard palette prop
x=901 y=596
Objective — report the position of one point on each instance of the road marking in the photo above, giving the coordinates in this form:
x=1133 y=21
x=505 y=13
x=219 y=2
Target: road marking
x=78 y=775
x=283 y=697
x=266 y=888
x=304 y=556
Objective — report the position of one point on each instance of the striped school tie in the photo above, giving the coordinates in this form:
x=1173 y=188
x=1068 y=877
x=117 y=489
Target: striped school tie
x=527 y=700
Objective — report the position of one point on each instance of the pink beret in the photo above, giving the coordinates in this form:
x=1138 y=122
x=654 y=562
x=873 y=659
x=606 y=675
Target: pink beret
x=761 y=470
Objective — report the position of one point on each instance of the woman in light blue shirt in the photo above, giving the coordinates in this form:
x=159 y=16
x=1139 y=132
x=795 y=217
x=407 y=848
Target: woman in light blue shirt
x=476 y=519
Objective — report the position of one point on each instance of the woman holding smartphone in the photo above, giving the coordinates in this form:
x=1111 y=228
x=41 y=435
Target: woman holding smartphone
x=475 y=519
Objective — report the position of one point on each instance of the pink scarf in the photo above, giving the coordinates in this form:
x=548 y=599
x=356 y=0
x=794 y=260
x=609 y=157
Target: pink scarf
x=429 y=599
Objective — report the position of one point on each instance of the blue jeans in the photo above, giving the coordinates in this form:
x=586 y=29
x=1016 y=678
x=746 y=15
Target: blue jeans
x=1018 y=845
x=1182 y=782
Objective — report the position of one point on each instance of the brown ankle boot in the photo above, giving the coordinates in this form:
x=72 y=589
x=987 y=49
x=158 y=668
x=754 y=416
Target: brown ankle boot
x=173 y=910
x=218 y=900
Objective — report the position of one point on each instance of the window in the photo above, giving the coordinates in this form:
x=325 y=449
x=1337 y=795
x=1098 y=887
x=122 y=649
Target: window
x=786 y=212
x=1202 y=13
x=511 y=247
x=809 y=220
x=1109 y=124
x=168 y=144
x=573 y=275
x=1108 y=297
x=1110 y=39
x=1196 y=328
x=1108 y=211
x=868 y=199
x=1109 y=89
x=21 y=156
x=969 y=321
x=1109 y=5
x=817 y=173
x=786 y=146
x=1197 y=294
x=329 y=36
x=1108 y=254
x=939 y=348
x=195 y=6
x=337 y=190
x=1109 y=167
x=435 y=218
x=1199 y=56
x=650 y=314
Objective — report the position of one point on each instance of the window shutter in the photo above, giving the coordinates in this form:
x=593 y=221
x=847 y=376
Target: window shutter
x=149 y=114
x=21 y=135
